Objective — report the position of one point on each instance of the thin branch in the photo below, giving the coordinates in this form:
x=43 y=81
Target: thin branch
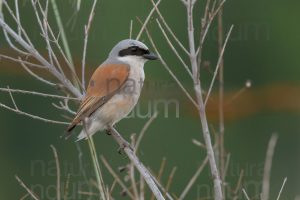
x=201 y=107
x=18 y=22
x=22 y=61
x=268 y=166
x=174 y=50
x=41 y=59
x=206 y=23
x=9 y=41
x=131 y=171
x=218 y=65
x=143 y=131
x=193 y=179
x=66 y=188
x=26 y=195
x=170 y=179
x=160 y=173
x=33 y=116
x=112 y=187
x=38 y=77
x=142 y=188
x=238 y=185
x=140 y=167
x=86 y=37
x=57 y=172
x=281 y=189
x=12 y=98
x=155 y=6
x=169 y=29
x=248 y=84
x=130 y=29
x=169 y=70
x=245 y=193
x=162 y=188
x=198 y=143
x=62 y=31
x=37 y=94
x=64 y=106
x=99 y=177
x=116 y=177
x=221 y=99
x=26 y=188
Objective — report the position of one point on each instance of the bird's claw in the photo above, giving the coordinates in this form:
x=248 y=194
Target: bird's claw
x=108 y=131
x=123 y=146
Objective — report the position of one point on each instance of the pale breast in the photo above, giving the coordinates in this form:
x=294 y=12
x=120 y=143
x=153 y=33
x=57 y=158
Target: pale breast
x=122 y=103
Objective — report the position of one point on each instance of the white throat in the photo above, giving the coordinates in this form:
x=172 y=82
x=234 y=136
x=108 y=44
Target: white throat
x=133 y=61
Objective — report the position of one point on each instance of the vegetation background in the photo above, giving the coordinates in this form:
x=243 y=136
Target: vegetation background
x=263 y=48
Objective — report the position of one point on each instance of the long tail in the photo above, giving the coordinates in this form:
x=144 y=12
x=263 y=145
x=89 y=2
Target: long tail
x=83 y=135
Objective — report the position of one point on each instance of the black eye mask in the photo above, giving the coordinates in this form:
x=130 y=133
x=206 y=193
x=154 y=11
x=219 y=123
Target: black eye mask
x=133 y=51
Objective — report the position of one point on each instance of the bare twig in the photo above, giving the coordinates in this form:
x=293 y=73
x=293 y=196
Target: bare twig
x=147 y=20
x=245 y=193
x=218 y=65
x=248 y=85
x=30 y=48
x=131 y=171
x=130 y=29
x=238 y=185
x=7 y=37
x=100 y=183
x=37 y=94
x=268 y=166
x=142 y=188
x=169 y=70
x=143 y=131
x=38 y=77
x=33 y=116
x=198 y=143
x=26 y=195
x=12 y=98
x=86 y=36
x=162 y=188
x=221 y=95
x=67 y=184
x=282 y=186
x=169 y=29
x=174 y=49
x=140 y=167
x=26 y=188
x=64 y=106
x=201 y=107
x=57 y=172
x=170 y=179
x=116 y=177
x=18 y=60
x=62 y=31
x=193 y=179
x=160 y=173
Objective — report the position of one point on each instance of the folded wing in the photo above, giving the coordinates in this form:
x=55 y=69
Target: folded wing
x=105 y=82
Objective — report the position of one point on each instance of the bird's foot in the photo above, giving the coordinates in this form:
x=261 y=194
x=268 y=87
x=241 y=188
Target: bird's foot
x=123 y=146
x=108 y=132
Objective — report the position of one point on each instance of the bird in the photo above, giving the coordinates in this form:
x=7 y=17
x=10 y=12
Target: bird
x=114 y=88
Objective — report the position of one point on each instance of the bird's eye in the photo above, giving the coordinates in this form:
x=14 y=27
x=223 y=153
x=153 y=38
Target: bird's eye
x=134 y=49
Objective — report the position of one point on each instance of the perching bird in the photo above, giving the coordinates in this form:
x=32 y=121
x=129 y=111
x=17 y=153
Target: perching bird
x=114 y=88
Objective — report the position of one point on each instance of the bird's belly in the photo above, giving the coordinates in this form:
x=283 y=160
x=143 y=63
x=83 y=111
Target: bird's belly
x=118 y=107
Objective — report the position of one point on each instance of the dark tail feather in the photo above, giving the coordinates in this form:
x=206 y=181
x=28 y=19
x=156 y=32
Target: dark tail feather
x=69 y=131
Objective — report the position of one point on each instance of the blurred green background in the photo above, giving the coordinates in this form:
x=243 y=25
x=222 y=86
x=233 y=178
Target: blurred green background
x=264 y=48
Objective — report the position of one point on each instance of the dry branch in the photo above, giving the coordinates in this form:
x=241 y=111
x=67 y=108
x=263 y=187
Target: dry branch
x=140 y=167
x=267 y=168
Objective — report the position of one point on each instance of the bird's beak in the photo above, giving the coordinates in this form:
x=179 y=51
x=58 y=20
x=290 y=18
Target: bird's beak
x=150 y=56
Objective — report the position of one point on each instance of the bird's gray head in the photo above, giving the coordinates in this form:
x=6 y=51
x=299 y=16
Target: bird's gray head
x=130 y=51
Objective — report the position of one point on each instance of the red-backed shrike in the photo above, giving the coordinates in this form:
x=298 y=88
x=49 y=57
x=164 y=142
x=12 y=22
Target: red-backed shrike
x=114 y=88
